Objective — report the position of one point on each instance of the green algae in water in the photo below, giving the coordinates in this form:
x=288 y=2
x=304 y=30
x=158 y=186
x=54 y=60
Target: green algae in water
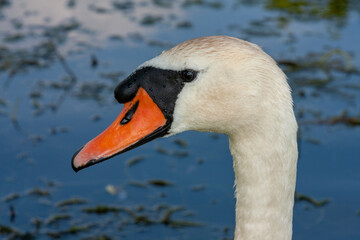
x=180 y=153
x=138 y=184
x=343 y=118
x=14 y=233
x=168 y=212
x=317 y=203
x=99 y=10
x=37 y=222
x=5 y=230
x=3 y=102
x=180 y=142
x=184 y=223
x=163 y=3
x=213 y=4
x=313 y=141
x=11 y=197
x=15 y=37
x=55 y=219
x=168 y=221
x=123 y=5
x=184 y=24
x=307 y=10
x=134 y=160
x=38 y=192
x=101 y=209
x=151 y=20
x=160 y=183
x=73 y=230
x=101 y=237
x=162 y=150
x=71 y=202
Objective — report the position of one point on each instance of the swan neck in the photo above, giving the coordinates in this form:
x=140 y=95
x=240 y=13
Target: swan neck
x=265 y=175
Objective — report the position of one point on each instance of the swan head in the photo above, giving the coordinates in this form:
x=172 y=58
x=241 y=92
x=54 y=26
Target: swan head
x=216 y=84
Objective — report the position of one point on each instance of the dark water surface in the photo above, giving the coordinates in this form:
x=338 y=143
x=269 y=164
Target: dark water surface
x=59 y=64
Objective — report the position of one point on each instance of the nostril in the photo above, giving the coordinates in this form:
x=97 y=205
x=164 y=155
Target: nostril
x=128 y=116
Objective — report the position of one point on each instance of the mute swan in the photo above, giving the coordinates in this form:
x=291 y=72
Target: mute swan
x=216 y=84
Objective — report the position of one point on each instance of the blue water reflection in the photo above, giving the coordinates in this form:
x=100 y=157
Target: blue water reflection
x=37 y=153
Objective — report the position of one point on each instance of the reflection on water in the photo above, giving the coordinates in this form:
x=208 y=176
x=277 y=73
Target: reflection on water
x=88 y=22
x=59 y=64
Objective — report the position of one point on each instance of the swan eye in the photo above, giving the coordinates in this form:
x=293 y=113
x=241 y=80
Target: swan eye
x=188 y=75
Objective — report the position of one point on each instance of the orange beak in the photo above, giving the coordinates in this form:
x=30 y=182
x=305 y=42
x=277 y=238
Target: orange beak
x=140 y=121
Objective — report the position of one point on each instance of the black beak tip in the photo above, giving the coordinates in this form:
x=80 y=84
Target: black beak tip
x=88 y=164
x=76 y=169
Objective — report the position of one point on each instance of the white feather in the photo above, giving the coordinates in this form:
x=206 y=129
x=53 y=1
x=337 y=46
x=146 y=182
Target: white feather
x=240 y=91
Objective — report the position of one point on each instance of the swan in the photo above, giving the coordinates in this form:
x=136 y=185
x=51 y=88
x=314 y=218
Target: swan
x=216 y=84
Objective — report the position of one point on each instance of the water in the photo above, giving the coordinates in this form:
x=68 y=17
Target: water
x=46 y=116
